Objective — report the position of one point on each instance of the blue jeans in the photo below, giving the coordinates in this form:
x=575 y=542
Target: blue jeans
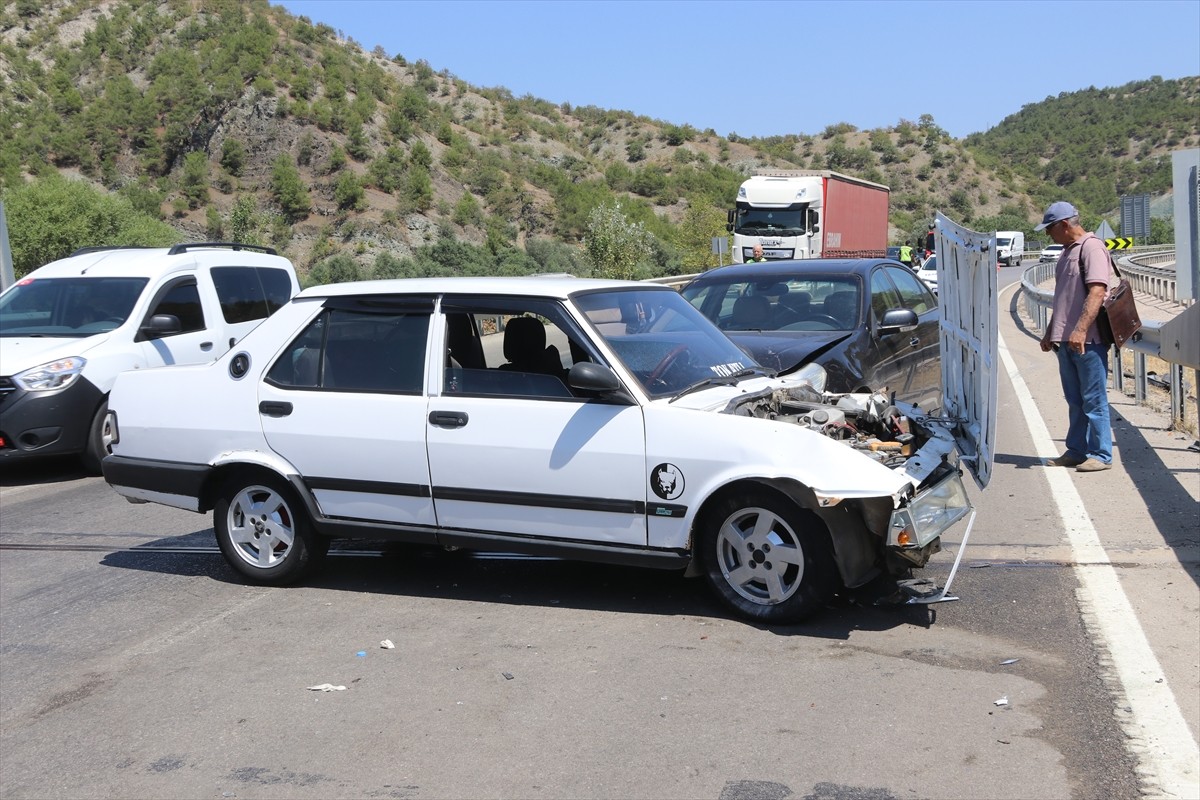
x=1085 y=386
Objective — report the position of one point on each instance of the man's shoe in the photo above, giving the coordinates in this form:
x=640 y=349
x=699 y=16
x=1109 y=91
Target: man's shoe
x=1093 y=465
x=1065 y=460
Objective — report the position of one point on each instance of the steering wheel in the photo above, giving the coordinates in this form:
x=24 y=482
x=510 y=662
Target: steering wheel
x=667 y=362
x=831 y=321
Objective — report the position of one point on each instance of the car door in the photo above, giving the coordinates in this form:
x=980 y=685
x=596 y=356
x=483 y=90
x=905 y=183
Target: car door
x=512 y=450
x=344 y=403
x=197 y=340
x=918 y=349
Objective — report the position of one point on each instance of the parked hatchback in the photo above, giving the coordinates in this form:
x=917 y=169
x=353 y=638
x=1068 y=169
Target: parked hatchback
x=601 y=420
x=871 y=323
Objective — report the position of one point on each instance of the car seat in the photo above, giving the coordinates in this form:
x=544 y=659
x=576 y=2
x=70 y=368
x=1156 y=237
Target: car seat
x=525 y=348
x=750 y=311
x=842 y=306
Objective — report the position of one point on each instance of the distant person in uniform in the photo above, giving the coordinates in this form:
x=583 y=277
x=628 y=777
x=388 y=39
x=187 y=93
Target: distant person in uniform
x=906 y=255
x=758 y=255
x=1071 y=332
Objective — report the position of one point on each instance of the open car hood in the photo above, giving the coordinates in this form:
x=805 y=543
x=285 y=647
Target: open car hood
x=782 y=352
x=967 y=303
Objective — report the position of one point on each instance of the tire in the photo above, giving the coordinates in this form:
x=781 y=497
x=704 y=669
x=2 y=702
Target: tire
x=264 y=532
x=766 y=558
x=95 y=449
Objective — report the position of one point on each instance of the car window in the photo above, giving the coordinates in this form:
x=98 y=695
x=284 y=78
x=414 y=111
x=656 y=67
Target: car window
x=913 y=293
x=352 y=350
x=510 y=347
x=661 y=338
x=883 y=294
x=182 y=300
x=250 y=293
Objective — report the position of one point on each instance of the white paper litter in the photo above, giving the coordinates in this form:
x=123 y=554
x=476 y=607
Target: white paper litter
x=386 y=644
x=1003 y=701
x=326 y=687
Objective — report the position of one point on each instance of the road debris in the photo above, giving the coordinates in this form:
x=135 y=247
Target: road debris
x=1003 y=701
x=326 y=687
x=1008 y=661
x=386 y=644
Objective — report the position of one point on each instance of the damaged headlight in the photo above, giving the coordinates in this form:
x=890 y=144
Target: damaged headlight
x=930 y=513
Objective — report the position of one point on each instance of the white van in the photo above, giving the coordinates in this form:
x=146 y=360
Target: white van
x=1010 y=248
x=68 y=328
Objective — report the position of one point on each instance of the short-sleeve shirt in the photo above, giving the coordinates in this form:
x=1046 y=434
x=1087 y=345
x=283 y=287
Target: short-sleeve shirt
x=1069 y=291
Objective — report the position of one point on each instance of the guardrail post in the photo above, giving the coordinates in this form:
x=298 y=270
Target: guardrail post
x=1176 y=373
x=1139 y=377
x=1118 y=370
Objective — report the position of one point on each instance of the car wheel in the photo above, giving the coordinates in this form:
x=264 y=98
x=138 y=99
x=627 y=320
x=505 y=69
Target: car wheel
x=264 y=532
x=766 y=558
x=97 y=446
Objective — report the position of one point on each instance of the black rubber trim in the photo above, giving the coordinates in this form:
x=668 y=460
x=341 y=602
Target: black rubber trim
x=625 y=555
x=166 y=477
x=539 y=500
x=367 y=487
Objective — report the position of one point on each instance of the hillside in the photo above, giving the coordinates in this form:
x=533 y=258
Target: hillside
x=233 y=119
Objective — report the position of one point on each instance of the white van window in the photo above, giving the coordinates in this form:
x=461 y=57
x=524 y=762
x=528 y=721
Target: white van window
x=183 y=301
x=251 y=293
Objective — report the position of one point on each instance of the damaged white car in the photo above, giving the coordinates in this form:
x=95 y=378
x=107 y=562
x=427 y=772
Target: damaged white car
x=599 y=420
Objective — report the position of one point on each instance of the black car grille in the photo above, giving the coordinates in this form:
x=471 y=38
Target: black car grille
x=7 y=387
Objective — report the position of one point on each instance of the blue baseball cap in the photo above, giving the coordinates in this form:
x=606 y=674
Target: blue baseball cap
x=1056 y=213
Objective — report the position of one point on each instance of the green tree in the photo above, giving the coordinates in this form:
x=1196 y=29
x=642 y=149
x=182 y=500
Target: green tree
x=244 y=222
x=51 y=217
x=233 y=156
x=348 y=192
x=613 y=244
x=288 y=189
x=194 y=181
x=693 y=239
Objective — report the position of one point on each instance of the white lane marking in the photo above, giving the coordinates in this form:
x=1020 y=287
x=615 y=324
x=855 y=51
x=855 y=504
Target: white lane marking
x=1159 y=738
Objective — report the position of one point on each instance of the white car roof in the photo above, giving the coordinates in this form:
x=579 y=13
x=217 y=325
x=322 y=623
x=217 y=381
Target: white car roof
x=534 y=286
x=150 y=262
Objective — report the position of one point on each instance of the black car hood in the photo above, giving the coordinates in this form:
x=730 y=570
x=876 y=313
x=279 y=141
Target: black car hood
x=783 y=352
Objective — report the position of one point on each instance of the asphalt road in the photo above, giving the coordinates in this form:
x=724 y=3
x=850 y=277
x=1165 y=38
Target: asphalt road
x=133 y=663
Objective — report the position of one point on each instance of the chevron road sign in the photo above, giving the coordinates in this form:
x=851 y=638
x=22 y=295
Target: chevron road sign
x=1123 y=243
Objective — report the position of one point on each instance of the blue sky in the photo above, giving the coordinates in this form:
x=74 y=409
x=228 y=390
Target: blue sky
x=770 y=68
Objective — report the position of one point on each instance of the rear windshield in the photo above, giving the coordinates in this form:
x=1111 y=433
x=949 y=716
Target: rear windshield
x=68 y=307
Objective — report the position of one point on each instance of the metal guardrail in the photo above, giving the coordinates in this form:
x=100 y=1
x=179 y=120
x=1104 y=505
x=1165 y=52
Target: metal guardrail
x=1141 y=270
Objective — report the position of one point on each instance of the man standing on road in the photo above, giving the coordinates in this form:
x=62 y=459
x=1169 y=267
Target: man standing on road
x=758 y=255
x=1081 y=280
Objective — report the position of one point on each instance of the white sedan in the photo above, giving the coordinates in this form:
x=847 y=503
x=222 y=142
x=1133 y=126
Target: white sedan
x=599 y=420
x=928 y=273
x=1050 y=253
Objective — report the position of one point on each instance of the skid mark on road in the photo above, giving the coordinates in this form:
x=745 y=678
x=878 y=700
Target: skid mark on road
x=1168 y=756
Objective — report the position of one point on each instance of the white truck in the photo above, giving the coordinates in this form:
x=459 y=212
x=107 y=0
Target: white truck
x=809 y=214
x=1010 y=247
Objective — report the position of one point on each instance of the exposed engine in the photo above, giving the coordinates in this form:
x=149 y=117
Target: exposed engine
x=870 y=423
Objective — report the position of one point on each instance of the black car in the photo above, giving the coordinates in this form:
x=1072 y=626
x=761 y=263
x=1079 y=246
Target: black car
x=870 y=322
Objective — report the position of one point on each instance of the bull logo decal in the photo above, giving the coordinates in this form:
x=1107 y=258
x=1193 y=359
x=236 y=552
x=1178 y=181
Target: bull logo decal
x=667 y=481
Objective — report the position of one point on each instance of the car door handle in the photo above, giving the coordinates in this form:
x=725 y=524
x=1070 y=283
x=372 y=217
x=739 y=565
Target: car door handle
x=914 y=342
x=273 y=408
x=206 y=346
x=448 y=419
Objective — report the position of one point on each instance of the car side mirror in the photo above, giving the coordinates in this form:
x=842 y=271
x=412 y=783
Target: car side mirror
x=898 y=320
x=160 y=325
x=589 y=377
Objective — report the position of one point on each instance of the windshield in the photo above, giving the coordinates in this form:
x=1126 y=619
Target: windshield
x=1003 y=241
x=779 y=221
x=780 y=303
x=67 y=307
x=929 y=264
x=665 y=342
